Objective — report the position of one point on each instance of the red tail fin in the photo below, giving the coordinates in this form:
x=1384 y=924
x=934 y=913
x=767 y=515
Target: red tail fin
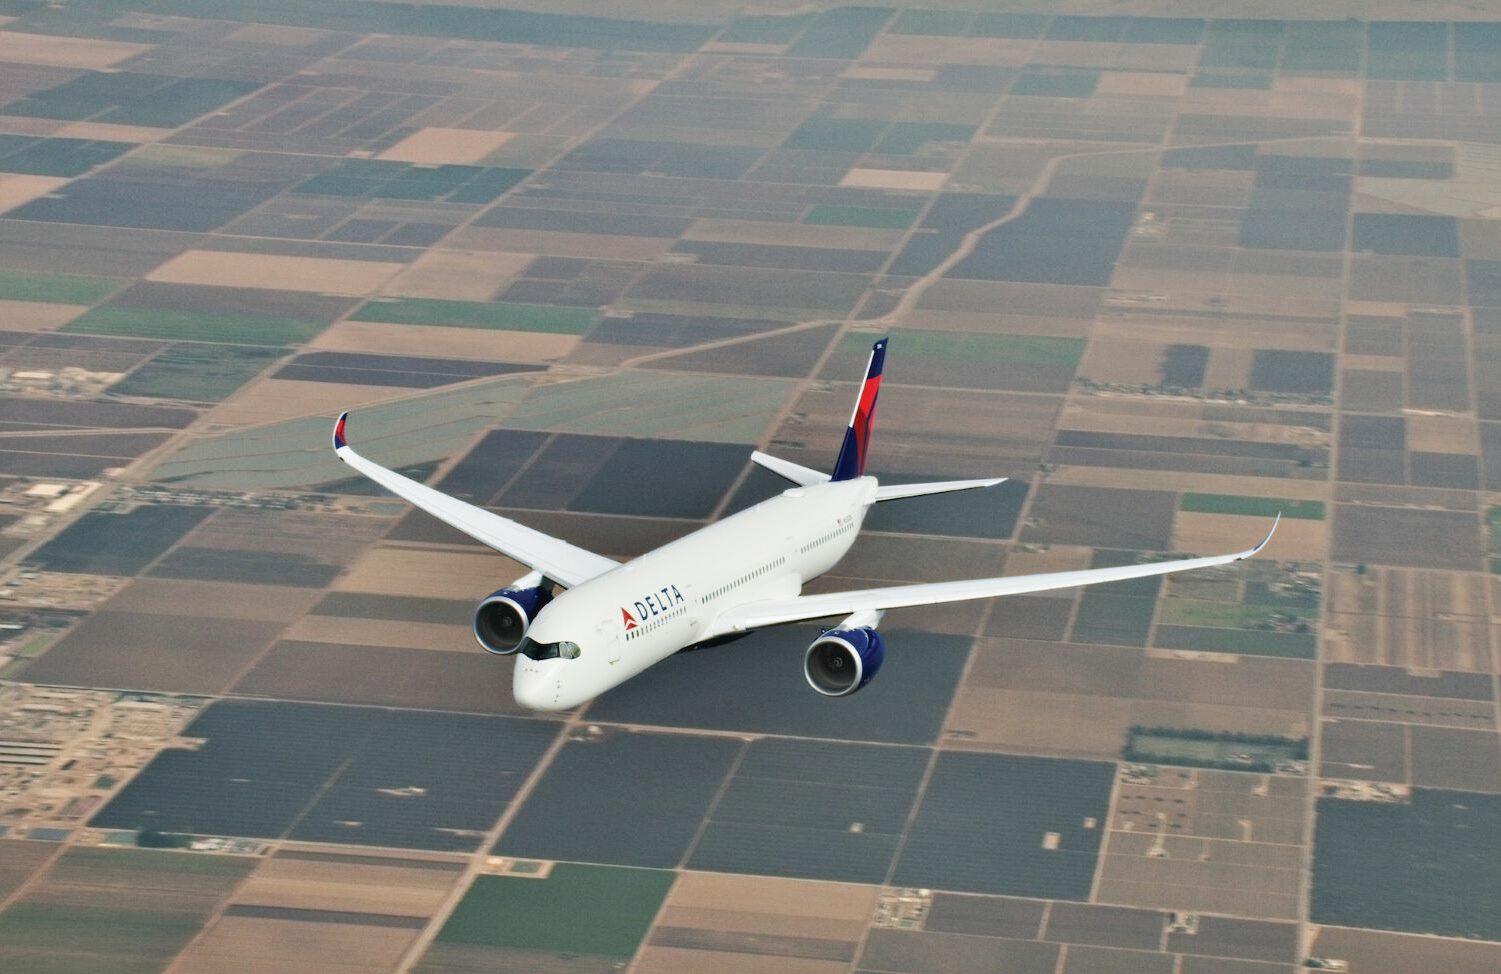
x=851 y=462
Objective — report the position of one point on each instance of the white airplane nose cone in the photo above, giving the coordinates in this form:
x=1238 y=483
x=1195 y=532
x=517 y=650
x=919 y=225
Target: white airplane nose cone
x=536 y=689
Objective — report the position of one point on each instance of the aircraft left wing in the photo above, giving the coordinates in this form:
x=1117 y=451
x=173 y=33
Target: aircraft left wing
x=772 y=612
x=555 y=558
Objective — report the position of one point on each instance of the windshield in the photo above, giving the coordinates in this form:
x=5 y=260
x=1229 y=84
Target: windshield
x=532 y=649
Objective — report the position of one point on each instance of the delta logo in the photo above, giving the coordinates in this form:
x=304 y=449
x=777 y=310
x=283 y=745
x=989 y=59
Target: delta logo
x=658 y=603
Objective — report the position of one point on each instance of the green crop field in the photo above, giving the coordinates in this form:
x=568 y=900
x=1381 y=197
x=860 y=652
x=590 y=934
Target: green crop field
x=56 y=157
x=1009 y=25
x=905 y=138
x=55 y=288
x=1166 y=747
x=841 y=33
x=137 y=868
x=602 y=910
x=34 y=646
x=931 y=23
x=1301 y=598
x=1108 y=617
x=479 y=314
x=239 y=329
x=765 y=28
x=1258 y=80
x=1256 y=506
x=836 y=134
x=181 y=156
x=462 y=21
x=874 y=217
x=132 y=98
x=1228 y=615
x=115 y=910
x=197 y=372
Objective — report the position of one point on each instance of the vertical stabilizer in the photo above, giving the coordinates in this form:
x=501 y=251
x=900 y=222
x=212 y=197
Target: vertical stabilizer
x=851 y=462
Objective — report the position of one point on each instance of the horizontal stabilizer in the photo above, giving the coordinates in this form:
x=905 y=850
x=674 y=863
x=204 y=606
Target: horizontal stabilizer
x=895 y=491
x=795 y=472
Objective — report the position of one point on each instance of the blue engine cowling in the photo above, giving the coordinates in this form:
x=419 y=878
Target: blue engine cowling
x=842 y=661
x=501 y=620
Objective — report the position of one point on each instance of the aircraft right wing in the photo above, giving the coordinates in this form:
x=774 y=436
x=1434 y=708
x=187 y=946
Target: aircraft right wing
x=555 y=558
x=772 y=612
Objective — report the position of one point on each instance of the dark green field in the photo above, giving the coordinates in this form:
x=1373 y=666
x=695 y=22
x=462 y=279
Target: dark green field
x=429 y=20
x=111 y=543
x=1200 y=749
x=197 y=372
x=56 y=157
x=933 y=23
x=1255 y=506
x=55 y=288
x=1234 y=615
x=399 y=608
x=1119 y=613
x=765 y=29
x=240 y=329
x=836 y=134
x=1431 y=866
x=1106 y=617
x=131 y=98
x=478 y=314
x=906 y=138
x=577 y=909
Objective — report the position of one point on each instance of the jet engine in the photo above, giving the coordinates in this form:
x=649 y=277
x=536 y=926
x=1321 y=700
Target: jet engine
x=501 y=620
x=843 y=660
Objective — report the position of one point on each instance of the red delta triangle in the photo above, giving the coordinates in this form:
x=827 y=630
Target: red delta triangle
x=626 y=618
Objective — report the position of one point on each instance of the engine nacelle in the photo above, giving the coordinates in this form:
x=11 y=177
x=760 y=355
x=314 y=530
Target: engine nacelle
x=501 y=620
x=842 y=661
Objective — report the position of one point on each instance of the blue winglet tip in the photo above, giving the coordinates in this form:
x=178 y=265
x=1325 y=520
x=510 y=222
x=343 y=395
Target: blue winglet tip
x=339 y=441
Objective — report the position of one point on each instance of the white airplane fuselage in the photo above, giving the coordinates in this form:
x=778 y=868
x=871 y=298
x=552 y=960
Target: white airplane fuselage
x=645 y=610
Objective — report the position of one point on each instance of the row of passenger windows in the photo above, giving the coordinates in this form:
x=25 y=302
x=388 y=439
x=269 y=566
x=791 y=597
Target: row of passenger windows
x=842 y=529
x=646 y=627
x=745 y=578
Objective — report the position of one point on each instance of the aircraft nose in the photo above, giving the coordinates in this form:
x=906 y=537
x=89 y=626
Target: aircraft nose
x=536 y=687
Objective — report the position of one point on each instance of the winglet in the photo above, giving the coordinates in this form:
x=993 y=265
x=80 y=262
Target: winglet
x=1275 y=521
x=339 y=441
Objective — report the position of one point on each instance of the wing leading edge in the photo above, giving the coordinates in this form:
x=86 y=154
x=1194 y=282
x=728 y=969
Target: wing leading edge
x=555 y=558
x=754 y=615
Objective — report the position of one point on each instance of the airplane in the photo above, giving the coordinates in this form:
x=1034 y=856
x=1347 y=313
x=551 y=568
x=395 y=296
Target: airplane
x=613 y=620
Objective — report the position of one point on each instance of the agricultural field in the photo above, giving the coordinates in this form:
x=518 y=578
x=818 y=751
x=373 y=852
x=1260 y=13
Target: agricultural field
x=1170 y=275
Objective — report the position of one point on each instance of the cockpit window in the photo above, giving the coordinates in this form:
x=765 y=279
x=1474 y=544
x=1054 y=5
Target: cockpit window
x=532 y=649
